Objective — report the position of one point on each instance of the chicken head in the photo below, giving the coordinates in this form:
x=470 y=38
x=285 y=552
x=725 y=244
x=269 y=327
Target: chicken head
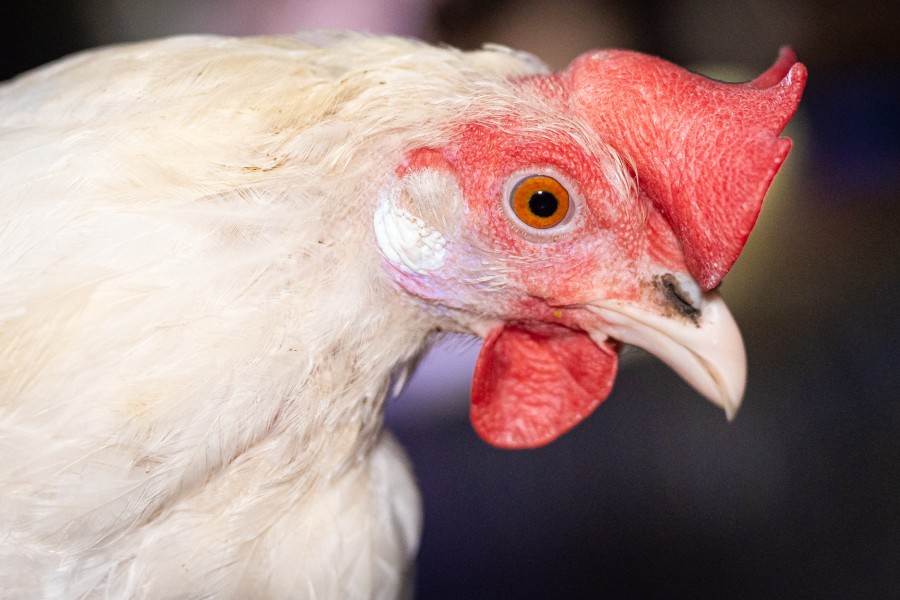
x=594 y=207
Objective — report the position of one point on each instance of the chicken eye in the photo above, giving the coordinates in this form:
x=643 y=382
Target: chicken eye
x=540 y=201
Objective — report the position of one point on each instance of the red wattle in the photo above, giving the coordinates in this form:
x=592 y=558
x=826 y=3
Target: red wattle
x=534 y=382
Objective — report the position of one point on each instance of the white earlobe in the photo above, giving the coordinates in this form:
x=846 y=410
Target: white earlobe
x=405 y=239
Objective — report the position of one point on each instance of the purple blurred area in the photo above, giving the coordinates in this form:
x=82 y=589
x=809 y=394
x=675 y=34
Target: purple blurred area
x=656 y=495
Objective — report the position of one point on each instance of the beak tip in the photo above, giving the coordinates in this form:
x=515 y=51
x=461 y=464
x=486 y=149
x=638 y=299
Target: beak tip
x=730 y=400
x=731 y=411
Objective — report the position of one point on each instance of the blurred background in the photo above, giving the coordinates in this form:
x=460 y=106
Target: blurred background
x=656 y=495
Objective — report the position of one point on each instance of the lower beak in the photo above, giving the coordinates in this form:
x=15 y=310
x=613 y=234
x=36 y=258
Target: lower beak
x=706 y=351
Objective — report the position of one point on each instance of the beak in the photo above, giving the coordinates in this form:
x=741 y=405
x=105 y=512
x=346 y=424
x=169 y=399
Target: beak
x=706 y=350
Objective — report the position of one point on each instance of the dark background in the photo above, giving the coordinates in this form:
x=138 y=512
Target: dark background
x=656 y=495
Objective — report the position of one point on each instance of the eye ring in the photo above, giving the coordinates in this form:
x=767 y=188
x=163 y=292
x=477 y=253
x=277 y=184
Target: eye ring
x=539 y=201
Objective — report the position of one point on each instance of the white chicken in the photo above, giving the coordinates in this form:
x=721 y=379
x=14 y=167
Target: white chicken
x=215 y=253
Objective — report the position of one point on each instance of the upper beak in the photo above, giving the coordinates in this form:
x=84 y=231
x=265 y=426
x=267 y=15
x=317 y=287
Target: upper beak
x=706 y=351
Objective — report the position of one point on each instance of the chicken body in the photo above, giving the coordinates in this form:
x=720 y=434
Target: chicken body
x=215 y=254
x=195 y=333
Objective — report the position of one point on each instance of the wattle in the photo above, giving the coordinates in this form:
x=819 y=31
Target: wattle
x=534 y=382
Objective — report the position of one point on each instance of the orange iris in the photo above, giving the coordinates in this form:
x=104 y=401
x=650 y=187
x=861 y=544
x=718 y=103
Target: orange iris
x=540 y=201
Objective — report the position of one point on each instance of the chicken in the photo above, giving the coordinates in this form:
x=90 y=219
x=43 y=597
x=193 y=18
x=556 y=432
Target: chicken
x=217 y=254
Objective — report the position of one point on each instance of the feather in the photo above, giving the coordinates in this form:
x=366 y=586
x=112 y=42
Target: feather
x=195 y=332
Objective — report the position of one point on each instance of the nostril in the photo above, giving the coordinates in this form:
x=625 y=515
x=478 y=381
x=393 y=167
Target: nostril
x=678 y=297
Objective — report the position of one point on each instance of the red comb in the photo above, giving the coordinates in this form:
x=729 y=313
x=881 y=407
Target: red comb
x=704 y=151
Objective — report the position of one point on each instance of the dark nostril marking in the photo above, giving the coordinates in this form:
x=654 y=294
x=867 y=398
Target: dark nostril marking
x=677 y=297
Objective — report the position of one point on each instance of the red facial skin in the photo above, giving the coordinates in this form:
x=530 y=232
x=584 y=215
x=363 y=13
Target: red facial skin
x=605 y=252
x=605 y=239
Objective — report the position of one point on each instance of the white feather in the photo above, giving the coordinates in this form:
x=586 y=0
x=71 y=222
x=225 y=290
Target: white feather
x=196 y=333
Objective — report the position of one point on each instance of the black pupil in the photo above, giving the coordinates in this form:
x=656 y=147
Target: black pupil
x=543 y=204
